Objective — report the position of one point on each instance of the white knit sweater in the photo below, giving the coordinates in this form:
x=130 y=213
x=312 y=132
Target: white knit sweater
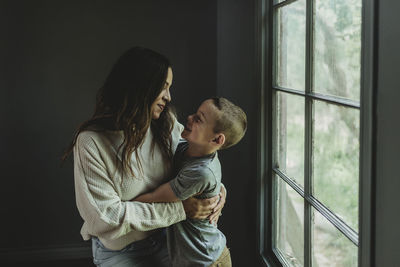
x=103 y=198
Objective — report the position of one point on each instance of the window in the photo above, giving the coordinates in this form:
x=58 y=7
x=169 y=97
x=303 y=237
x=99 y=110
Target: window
x=312 y=211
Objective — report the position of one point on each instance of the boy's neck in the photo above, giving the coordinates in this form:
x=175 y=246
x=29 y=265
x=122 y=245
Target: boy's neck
x=198 y=151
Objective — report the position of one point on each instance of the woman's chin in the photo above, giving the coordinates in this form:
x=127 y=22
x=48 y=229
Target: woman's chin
x=156 y=115
x=184 y=134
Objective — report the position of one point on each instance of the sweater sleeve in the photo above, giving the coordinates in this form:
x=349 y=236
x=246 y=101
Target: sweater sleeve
x=99 y=204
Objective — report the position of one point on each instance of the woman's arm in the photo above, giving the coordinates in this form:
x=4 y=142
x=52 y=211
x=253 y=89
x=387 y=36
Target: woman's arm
x=195 y=208
x=163 y=193
x=99 y=204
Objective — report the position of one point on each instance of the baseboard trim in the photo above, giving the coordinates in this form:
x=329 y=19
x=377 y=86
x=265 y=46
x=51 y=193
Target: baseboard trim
x=46 y=254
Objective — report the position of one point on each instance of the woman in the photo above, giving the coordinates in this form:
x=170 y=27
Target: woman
x=123 y=151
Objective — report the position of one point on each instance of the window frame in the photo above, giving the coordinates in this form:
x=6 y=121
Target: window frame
x=264 y=74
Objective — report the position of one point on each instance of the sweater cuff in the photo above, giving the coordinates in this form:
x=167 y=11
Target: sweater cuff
x=182 y=214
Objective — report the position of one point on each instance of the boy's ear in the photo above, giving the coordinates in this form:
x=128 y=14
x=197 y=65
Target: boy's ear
x=219 y=139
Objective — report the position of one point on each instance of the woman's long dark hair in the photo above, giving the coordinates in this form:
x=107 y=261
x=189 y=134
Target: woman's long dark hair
x=124 y=102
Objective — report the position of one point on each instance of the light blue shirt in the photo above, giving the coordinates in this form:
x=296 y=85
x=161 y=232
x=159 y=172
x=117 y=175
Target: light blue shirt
x=195 y=242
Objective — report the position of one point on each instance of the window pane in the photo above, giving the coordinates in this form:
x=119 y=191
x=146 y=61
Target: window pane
x=336 y=159
x=290 y=54
x=289 y=233
x=330 y=247
x=290 y=136
x=337 y=54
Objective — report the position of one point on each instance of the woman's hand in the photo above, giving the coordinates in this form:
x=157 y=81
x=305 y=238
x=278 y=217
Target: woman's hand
x=217 y=212
x=209 y=208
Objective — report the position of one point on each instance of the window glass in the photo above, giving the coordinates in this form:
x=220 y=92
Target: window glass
x=290 y=56
x=329 y=246
x=336 y=159
x=289 y=232
x=315 y=131
x=290 y=136
x=337 y=43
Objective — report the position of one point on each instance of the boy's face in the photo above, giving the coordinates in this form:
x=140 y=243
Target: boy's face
x=199 y=128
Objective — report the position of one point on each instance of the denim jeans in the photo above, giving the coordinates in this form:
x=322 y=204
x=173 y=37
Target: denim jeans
x=149 y=252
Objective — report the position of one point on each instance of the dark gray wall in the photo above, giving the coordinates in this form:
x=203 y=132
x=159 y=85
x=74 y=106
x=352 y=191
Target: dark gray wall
x=387 y=220
x=236 y=81
x=53 y=57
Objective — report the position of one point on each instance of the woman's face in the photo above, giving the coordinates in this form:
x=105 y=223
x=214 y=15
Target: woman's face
x=159 y=104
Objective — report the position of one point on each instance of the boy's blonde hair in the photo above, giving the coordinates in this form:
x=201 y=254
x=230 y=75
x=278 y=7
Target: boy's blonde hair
x=231 y=121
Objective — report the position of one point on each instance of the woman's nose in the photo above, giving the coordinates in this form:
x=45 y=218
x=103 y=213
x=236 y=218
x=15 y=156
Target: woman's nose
x=167 y=95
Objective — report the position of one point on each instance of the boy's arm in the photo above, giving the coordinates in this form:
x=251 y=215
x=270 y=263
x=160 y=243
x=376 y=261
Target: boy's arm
x=163 y=193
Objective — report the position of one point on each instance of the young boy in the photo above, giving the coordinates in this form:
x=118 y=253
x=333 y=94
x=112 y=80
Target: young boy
x=217 y=124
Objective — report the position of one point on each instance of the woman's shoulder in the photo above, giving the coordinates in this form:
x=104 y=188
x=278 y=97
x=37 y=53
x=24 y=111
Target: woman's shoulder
x=88 y=135
x=178 y=127
x=90 y=138
x=87 y=139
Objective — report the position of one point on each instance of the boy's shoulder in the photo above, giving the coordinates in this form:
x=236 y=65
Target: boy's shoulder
x=207 y=169
x=198 y=169
x=194 y=177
